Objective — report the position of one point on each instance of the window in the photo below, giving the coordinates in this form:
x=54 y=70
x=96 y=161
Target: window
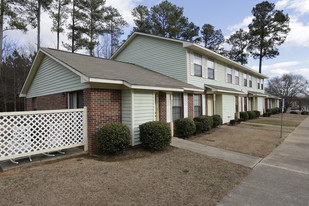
x=34 y=104
x=250 y=81
x=258 y=83
x=236 y=104
x=236 y=77
x=262 y=83
x=245 y=79
x=245 y=104
x=229 y=75
x=197 y=102
x=197 y=65
x=76 y=100
x=211 y=69
x=177 y=106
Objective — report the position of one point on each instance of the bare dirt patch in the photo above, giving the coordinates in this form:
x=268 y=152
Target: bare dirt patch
x=174 y=177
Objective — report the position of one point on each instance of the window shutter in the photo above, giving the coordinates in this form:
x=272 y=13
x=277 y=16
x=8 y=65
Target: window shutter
x=215 y=72
x=185 y=105
x=243 y=104
x=248 y=109
x=203 y=105
x=204 y=68
x=192 y=63
x=233 y=76
x=239 y=104
x=168 y=107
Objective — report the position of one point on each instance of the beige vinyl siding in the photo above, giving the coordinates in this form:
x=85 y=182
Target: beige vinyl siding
x=53 y=78
x=260 y=104
x=220 y=78
x=144 y=105
x=126 y=108
x=228 y=108
x=159 y=55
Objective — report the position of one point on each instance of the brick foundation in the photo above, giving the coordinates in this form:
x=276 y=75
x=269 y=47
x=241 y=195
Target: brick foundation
x=49 y=102
x=104 y=106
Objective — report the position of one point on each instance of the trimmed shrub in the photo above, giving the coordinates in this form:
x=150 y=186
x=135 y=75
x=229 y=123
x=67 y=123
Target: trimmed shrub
x=239 y=121
x=185 y=127
x=155 y=135
x=266 y=114
x=268 y=110
x=257 y=113
x=199 y=127
x=207 y=122
x=217 y=120
x=233 y=122
x=244 y=116
x=251 y=114
x=113 y=138
x=304 y=113
x=293 y=112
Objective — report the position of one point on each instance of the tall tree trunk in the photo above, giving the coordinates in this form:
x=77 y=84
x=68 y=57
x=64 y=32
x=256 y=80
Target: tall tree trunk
x=58 y=25
x=39 y=25
x=260 y=63
x=1 y=50
x=14 y=88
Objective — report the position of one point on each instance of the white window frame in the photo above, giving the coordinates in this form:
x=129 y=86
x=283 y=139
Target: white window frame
x=197 y=62
x=229 y=75
x=250 y=81
x=211 y=66
x=197 y=105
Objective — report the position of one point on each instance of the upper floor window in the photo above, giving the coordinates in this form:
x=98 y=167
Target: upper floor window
x=258 y=83
x=76 y=100
x=245 y=79
x=236 y=72
x=250 y=81
x=229 y=75
x=211 y=69
x=262 y=83
x=197 y=65
x=197 y=103
x=177 y=106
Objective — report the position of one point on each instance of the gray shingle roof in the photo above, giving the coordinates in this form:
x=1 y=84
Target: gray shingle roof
x=94 y=67
x=219 y=88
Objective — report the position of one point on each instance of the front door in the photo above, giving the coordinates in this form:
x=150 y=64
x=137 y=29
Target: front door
x=210 y=105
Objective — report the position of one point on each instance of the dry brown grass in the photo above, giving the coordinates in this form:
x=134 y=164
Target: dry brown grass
x=255 y=140
x=173 y=177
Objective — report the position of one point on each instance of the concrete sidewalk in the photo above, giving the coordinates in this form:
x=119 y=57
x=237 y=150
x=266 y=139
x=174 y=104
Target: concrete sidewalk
x=282 y=178
x=235 y=157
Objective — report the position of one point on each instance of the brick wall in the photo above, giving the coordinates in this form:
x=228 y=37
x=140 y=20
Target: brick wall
x=104 y=106
x=49 y=102
x=162 y=106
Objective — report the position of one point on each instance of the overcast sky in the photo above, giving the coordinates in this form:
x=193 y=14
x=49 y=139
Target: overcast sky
x=228 y=16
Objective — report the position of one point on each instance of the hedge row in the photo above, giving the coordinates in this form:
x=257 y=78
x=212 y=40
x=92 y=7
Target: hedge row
x=272 y=111
x=244 y=116
x=186 y=127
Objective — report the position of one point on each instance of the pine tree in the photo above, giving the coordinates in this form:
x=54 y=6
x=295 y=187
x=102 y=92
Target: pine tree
x=269 y=28
x=114 y=28
x=142 y=19
x=34 y=10
x=239 y=42
x=212 y=38
x=59 y=15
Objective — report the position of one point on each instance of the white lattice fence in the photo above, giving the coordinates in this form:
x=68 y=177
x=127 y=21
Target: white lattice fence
x=27 y=133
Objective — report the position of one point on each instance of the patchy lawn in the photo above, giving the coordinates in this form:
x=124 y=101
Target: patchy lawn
x=253 y=139
x=173 y=177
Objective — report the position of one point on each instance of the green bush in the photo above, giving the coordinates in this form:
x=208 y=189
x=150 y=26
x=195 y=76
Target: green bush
x=233 y=122
x=266 y=114
x=206 y=121
x=185 y=127
x=251 y=114
x=244 y=116
x=257 y=113
x=239 y=121
x=155 y=135
x=304 y=113
x=217 y=120
x=268 y=110
x=113 y=138
x=293 y=112
x=199 y=127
